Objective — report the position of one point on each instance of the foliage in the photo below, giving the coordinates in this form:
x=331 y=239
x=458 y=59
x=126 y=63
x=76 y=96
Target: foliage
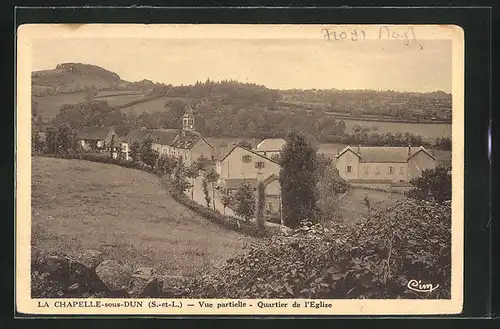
x=204 y=183
x=245 y=202
x=193 y=171
x=135 y=151
x=147 y=154
x=374 y=259
x=298 y=177
x=216 y=217
x=227 y=199
x=180 y=182
x=60 y=139
x=245 y=144
x=212 y=177
x=432 y=184
x=37 y=144
x=261 y=203
x=111 y=146
x=203 y=162
x=328 y=188
x=166 y=165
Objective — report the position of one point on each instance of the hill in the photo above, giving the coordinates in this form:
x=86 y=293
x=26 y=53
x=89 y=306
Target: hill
x=80 y=205
x=73 y=77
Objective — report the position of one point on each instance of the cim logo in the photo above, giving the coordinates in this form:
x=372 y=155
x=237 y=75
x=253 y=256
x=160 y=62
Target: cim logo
x=418 y=286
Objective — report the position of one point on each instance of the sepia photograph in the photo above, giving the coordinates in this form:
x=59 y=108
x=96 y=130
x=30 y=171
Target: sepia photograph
x=240 y=169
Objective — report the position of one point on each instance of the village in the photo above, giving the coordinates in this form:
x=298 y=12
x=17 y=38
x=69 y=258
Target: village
x=383 y=168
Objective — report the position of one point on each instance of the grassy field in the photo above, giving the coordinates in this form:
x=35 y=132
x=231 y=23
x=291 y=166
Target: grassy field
x=125 y=214
x=426 y=130
x=154 y=105
x=50 y=105
x=353 y=208
x=120 y=100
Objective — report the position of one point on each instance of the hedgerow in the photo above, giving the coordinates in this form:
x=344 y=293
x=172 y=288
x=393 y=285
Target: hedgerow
x=374 y=259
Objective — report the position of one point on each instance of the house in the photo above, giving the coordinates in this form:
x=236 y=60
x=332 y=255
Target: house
x=95 y=138
x=242 y=165
x=185 y=143
x=379 y=165
x=246 y=164
x=270 y=147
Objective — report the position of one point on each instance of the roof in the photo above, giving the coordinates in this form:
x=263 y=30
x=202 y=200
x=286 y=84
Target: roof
x=380 y=154
x=123 y=130
x=116 y=141
x=235 y=183
x=270 y=179
x=160 y=136
x=188 y=111
x=271 y=144
x=186 y=141
x=98 y=133
x=251 y=151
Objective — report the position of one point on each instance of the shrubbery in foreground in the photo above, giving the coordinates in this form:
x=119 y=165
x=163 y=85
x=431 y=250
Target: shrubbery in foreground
x=375 y=259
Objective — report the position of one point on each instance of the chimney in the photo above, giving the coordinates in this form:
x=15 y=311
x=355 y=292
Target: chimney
x=359 y=149
x=409 y=150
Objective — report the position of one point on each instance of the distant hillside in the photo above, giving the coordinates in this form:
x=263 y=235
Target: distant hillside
x=74 y=77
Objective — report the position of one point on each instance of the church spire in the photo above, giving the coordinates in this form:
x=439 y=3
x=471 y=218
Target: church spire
x=188 y=119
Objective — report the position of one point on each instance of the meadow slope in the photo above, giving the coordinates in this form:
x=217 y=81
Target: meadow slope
x=125 y=214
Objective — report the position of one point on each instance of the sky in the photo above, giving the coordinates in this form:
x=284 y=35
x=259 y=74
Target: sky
x=276 y=63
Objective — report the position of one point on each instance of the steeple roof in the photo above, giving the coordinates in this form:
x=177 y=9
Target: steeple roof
x=188 y=111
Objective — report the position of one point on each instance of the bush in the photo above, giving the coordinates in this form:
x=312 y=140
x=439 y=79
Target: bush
x=225 y=221
x=433 y=184
x=374 y=259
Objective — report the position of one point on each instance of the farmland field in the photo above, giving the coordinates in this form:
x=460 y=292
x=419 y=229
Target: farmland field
x=426 y=130
x=50 y=105
x=157 y=104
x=120 y=100
x=125 y=214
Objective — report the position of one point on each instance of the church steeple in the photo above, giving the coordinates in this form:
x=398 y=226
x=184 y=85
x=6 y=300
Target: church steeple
x=188 y=119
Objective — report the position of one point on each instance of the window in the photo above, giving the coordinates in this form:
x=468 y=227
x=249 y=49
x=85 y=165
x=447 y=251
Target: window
x=349 y=169
x=366 y=169
x=246 y=158
x=377 y=170
x=391 y=170
x=259 y=164
x=402 y=170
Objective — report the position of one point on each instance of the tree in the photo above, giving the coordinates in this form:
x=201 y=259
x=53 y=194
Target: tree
x=135 y=151
x=330 y=185
x=433 y=184
x=147 y=154
x=245 y=144
x=203 y=162
x=204 y=183
x=51 y=140
x=192 y=172
x=298 y=178
x=261 y=203
x=212 y=177
x=227 y=199
x=245 y=202
x=180 y=182
x=64 y=139
x=90 y=93
x=36 y=142
x=111 y=146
